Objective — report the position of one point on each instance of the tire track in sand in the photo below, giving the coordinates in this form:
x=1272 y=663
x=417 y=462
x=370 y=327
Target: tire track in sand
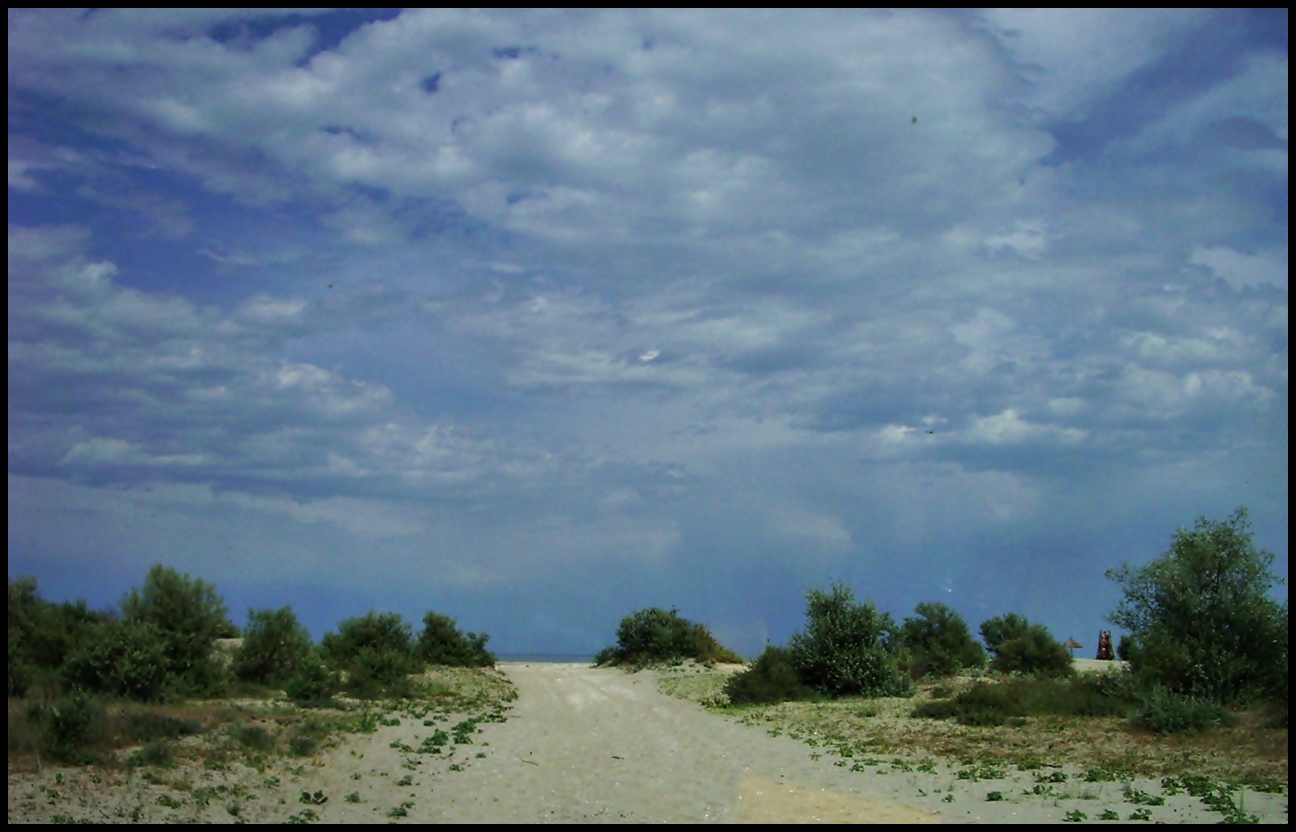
x=587 y=745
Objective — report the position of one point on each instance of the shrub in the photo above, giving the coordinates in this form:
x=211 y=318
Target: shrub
x=994 y=703
x=442 y=643
x=254 y=737
x=42 y=636
x=312 y=682
x=376 y=651
x=1021 y=647
x=939 y=642
x=121 y=658
x=67 y=728
x=190 y=616
x=1201 y=619
x=654 y=635
x=846 y=648
x=773 y=678
x=273 y=649
x=1167 y=712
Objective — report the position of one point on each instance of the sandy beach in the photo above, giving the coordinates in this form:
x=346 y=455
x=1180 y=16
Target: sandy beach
x=588 y=745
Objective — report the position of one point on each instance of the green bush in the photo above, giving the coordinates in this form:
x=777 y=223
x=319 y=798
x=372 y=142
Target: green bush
x=939 y=642
x=657 y=636
x=273 y=649
x=189 y=616
x=847 y=648
x=441 y=643
x=42 y=636
x=312 y=682
x=1166 y=712
x=375 y=651
x=67 y=729
x=1201 y=618
x=121 y=658
x=1021 y=647
x=773 y=678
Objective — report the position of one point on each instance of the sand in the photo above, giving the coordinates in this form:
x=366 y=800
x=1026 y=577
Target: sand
x=587 y=745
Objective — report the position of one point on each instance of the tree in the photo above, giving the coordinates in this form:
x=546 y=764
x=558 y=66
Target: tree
x=1019 y=646
x=1201 y=619
x=847 y=648
x=42 y=635
x=274 y=647
x=939 y=641
x=190 y=616
x=442 y=643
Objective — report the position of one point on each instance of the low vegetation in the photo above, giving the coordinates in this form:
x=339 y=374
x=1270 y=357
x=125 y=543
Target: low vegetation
x=85 y=685
x=655 y=636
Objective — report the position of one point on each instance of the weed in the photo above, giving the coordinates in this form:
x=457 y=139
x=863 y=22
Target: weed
x=253 y=736
x=983 y=771
x=407 y=780
x=400 y=811
x=1075 y=816
x=302 y=746
x=156 y=753
x=316 y=799
x=1142 y=798
x=1165 y=712
x=1101 y=774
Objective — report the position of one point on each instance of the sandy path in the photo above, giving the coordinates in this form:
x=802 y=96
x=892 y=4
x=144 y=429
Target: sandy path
x=587 y=744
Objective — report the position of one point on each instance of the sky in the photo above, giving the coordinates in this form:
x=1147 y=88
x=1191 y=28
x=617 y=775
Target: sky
x=535 y=319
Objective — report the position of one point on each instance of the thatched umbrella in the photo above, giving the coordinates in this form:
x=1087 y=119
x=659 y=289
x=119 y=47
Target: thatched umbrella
x=1073 y=645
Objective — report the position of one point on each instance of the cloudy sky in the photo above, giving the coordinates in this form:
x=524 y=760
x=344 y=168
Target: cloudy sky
x=535 y=319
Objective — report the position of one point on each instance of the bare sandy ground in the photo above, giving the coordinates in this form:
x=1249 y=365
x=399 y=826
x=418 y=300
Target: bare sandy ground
x=587 y=745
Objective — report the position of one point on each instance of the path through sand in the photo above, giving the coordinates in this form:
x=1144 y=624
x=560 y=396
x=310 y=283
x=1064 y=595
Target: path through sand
x=588 y=744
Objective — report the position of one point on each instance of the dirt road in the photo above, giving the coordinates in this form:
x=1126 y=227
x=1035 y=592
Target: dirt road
x=586 y=744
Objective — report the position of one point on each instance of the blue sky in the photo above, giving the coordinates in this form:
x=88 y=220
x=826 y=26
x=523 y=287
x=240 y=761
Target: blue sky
x=537 y=318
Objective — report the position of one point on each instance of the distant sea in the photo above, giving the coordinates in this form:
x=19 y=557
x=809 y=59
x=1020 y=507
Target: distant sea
x=564 y=658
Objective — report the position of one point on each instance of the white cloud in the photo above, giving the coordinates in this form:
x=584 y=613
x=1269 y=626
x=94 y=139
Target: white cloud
x=1077 y=56
x=1265 y=268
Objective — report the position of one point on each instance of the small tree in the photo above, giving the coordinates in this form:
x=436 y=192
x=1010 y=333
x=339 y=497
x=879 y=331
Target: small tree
x=1200 y=616
x=939 y=641
x=190 y=617
x=1021 y=647
x=847 y=647
x=274 y=646
x=442 y=643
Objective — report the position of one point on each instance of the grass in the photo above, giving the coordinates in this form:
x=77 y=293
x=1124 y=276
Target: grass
x=216 y=760
x=1049 y=723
